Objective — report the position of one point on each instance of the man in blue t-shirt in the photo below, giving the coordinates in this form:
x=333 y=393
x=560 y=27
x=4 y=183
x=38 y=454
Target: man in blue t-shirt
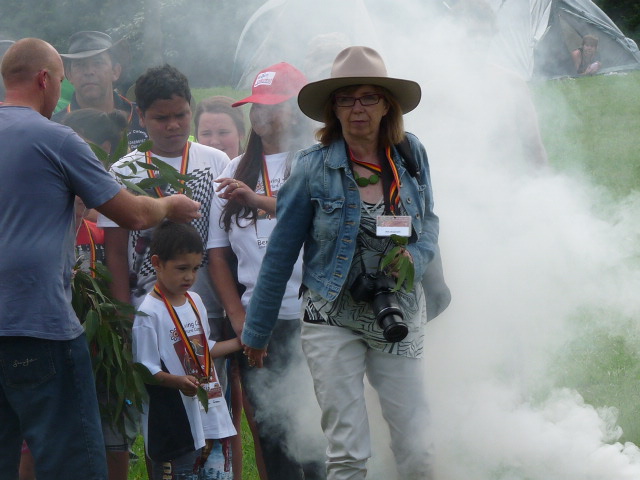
x=47 y=391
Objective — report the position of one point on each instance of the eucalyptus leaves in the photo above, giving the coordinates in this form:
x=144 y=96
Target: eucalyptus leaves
x=396 y=263
x=107 y=324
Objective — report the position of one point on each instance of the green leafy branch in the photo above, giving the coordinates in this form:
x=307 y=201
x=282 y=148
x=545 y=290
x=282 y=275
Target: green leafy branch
x=163 y=173
x=109 y=159
x=107 y=323
x=398 y=264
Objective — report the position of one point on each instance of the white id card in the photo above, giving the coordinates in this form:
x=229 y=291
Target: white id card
x=387 y=225
x=214 y=394
x=264 y=227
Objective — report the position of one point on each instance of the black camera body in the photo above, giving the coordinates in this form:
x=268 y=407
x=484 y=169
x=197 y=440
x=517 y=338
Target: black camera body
x=377 y=290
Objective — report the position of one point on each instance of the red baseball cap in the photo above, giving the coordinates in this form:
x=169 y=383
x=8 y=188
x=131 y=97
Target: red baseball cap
x=275 y=84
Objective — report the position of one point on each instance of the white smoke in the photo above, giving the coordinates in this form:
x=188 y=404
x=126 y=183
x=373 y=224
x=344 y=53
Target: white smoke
x=539 y=263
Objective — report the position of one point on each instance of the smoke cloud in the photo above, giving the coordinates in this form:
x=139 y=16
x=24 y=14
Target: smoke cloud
x=543 y=267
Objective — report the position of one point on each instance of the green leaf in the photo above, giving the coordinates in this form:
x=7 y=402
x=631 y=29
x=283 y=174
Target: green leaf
x=100 y=153
x=402 y=274
x=121 y=150
x=410 y=278
x=133 y=187
x=399 y=240
x=390 y=257
x=204 y=398
x=145 y=146
x=91 y=324
x=146 y=165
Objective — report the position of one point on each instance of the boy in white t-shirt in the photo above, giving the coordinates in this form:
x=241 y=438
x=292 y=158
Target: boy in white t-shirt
x=171 y=339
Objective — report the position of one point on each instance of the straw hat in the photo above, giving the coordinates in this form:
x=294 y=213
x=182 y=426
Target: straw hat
x=357 y=66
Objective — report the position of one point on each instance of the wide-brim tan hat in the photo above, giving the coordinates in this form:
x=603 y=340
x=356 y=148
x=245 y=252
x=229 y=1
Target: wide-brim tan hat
x=357 y=66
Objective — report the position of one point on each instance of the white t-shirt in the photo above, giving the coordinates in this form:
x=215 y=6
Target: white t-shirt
x=156 y=341
x=249 y=241
x=205 y=165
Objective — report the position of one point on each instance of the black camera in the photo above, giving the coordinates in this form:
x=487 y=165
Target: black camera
x=377 y=290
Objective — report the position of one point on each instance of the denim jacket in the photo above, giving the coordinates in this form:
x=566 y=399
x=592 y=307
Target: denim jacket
x=318 y=207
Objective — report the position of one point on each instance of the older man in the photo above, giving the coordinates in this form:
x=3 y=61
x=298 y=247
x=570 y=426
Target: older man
x=93 y=65
x=47 y=392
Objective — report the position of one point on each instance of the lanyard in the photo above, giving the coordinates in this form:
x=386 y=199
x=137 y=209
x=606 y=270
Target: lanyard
x=92 y=249
x=265 y=178
x=183 y=167
x=206 y=370
x=393 y=194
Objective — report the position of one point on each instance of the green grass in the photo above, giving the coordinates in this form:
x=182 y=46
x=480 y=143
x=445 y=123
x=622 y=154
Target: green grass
x=590 y=127
x=138 y=470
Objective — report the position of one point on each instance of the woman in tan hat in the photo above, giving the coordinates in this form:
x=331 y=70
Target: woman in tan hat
x=362 y=194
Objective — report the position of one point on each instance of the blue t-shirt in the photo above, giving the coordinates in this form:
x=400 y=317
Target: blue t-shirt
x=43 y=166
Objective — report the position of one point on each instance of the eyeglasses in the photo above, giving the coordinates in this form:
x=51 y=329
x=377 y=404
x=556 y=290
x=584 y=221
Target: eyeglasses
x=365 y=100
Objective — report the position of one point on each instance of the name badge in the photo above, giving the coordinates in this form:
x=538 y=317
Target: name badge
x=387 y=225
x=264 y=227
x=214 y=394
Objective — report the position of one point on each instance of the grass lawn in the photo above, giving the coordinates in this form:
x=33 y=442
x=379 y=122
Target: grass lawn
x=138 y=470
x=590 y=127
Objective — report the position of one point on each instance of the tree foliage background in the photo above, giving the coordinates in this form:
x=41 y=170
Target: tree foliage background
x=625 y=14
x=196 y=36
x=199 y=37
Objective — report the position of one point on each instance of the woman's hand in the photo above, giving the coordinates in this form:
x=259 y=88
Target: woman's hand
x=232 y=189
x=255 y=356
x=398 y=260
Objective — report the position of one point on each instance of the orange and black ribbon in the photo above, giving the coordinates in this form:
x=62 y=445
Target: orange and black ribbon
x=394 y=189
x=265 y=178
x=393 y=195
x=206 y=369
x=92 y=249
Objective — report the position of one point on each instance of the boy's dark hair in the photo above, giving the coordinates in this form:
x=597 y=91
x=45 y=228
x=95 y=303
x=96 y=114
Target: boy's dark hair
x=171 y=239
x=161 y=83
x=96 y=126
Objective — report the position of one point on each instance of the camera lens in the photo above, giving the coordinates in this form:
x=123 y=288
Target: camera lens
x=390 y=320
x=395 y=330
x=377 y=290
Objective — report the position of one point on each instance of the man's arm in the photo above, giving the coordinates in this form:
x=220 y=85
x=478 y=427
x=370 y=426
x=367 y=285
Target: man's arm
x=139 y=212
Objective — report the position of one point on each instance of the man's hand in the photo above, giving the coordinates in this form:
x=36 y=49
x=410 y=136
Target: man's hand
x=181 y=209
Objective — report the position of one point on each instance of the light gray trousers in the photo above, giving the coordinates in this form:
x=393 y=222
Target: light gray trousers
x=338 y=360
